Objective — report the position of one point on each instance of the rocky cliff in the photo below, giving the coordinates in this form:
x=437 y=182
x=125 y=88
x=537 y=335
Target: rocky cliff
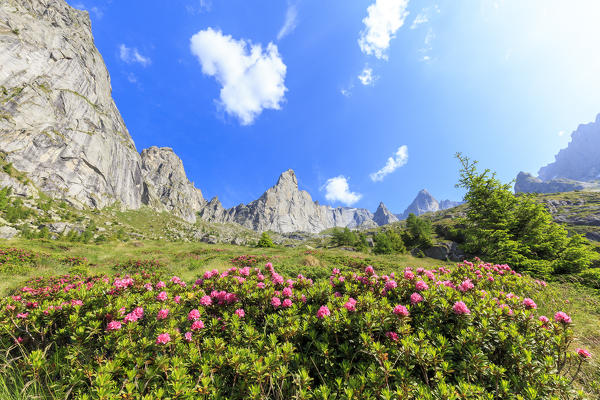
x=580 y=160
x=166 y=184
x=576 y=167
x=58 y=121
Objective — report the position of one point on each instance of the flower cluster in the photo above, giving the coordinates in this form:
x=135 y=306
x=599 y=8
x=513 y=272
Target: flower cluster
x=232 y=333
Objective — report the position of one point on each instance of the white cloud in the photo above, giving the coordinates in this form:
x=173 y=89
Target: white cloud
x=131 y=77
x=337 y=189
x=291 y=20
x=561 y=133
x=251 y=79
x=366 y=77
x=392 y=164
x=198 y=7
x=419 y=19
x=384 y=18
x=132 y=55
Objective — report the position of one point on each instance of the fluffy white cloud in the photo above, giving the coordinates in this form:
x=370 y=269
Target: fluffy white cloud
x=130 y=55
x=251 y=79
x=392 y=164
x=384 y=18
x=366 y=77
x=337 y=189
x=291 y=20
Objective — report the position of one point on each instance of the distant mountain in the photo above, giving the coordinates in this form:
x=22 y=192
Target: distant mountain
x=284 y=208
x=576 y=167
x=424 y=203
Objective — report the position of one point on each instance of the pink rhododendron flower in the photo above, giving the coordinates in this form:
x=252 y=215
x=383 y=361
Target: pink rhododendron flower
x=197 y=325
x=148 y=287
x=421 y=285
x=188 y=336
x=369 y=270
x=401 y=311
x=138 y=311
x=529 y=304
x=303 y=298
x=163 y=338
x=460 y=308
x=287 y=292
x=286 y=303
x=193 y=315
x=260 y=285
x=409 y=275
x=113 y=326
x=562 y=317
x=392 y=336
x=275 y=301
x=162 y=314
x=23 y=315
x=162 y=296
x=583 y=353
x=336 y=271
x=466 y=286
x=240 y=313
x=160 y=285
x=389 y=285
x=323 y=312
x=415 y=298
x=544 y=319
x=206 y=301
x=177 y=299
x=350 y=304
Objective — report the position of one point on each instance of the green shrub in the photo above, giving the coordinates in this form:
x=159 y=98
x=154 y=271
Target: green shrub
x=502 y=227
x=265 y=241
x=351 y=336
x=388 y=242
x=418 y=232
x=591 y=277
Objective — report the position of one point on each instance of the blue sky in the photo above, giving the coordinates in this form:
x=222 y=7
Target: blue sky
x=367 y=100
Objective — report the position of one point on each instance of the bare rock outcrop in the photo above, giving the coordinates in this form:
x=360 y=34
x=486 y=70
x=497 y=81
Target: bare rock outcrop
x=167 y=185
x=58 y=121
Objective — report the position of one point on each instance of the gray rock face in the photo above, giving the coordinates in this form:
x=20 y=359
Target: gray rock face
x=58 y=121
x=527 y=183
x=8 y=232
x=167 y=184
x=424 y=203
x=284 y=209
x=580 y=160
x=383 y=216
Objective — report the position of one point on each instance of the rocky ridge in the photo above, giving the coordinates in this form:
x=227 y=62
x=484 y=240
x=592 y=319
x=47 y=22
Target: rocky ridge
x=284 y=208
x=61 y=134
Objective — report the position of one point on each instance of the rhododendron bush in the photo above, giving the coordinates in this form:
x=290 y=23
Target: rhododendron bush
x=471 y=331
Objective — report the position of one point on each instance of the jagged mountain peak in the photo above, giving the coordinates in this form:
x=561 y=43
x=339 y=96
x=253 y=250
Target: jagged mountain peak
x=288 y=179
x=383 y=216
